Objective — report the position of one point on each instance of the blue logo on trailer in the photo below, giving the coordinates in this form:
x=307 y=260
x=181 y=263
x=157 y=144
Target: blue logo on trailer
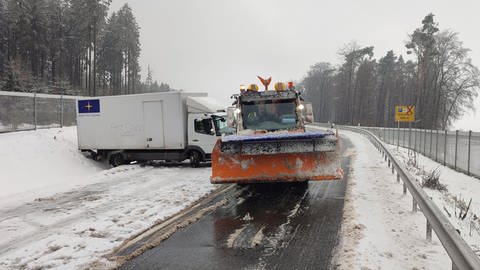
x=89 y=106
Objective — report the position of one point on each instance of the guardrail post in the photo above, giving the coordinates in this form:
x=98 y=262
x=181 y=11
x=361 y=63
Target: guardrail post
x=445 y=149
x=414 y=205
x=469 y=150
x=388 y=136
x=404 y=131
x=456 y=147
x=431 y=137
x=419 y=148
x=429 y=231
x=415 y=140
x=425 y=142
x=392 y=136
x=436 y=147
x=61 y=111
x=398 y=135
x=410 y=135
x=420 y=141
x=35 y=109
x=393 y=169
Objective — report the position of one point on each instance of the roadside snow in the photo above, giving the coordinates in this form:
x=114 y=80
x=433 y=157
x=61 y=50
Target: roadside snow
x=97 y=209
x=461 y=188
x=379 y=230
x=42 y=162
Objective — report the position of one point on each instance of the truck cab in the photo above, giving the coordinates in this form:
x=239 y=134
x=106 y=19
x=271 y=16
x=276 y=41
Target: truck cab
x=206 y=122
x=204 y=130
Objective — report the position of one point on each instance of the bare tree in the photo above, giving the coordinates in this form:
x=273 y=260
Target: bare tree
x=441 y=83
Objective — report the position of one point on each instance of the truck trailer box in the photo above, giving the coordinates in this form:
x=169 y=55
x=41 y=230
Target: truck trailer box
x=141 y=121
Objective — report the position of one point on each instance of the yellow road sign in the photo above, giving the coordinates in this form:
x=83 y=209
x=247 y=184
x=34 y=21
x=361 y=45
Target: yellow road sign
x=404 y=113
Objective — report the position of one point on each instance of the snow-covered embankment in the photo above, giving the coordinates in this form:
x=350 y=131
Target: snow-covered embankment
x=59 y=210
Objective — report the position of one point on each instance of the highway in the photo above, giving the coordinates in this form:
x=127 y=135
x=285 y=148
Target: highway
x=262 y=226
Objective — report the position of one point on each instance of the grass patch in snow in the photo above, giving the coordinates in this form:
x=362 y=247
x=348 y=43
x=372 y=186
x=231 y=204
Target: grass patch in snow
x=432 y=181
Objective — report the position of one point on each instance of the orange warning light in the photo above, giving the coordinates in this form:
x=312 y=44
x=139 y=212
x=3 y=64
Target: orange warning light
x=290 y=85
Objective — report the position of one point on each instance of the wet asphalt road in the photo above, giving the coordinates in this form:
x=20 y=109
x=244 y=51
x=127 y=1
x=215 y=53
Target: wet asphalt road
x=263 y=226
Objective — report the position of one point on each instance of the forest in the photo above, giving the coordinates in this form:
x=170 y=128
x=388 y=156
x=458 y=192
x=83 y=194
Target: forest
x=79 y=47
x=71 y=47
x=439 y=80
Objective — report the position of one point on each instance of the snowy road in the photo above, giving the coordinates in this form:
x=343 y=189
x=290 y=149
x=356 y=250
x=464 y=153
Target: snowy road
x=70 y=230
x=265 y=226
x=281 y=226
x=314 y=227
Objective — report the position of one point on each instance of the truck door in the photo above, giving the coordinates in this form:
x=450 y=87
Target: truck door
x=153 y=124
x=201 y=132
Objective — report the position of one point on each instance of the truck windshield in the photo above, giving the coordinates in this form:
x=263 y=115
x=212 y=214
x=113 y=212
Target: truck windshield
x=221 y=126
x=269 y=115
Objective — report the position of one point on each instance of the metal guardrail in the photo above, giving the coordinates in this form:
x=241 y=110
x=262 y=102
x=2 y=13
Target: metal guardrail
x=460 y=253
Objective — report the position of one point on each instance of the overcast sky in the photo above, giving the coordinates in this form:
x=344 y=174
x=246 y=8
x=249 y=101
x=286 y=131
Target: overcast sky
x=216 y=45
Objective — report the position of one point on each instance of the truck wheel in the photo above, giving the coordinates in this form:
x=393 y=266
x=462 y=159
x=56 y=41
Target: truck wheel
x=117 y=160
x=194 y=157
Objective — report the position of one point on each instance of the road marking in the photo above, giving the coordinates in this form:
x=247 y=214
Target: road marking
x=154 y=235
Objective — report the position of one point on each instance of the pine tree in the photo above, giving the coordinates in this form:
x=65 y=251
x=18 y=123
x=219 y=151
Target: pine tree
x=57 y=43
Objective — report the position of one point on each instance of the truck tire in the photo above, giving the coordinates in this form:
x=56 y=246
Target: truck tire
x=117 y=159
x=195 y=158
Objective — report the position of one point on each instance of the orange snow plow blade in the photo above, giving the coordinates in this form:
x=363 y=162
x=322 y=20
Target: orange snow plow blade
x=274 y=160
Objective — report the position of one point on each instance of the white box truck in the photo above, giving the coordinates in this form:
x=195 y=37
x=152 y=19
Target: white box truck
x=171 y=126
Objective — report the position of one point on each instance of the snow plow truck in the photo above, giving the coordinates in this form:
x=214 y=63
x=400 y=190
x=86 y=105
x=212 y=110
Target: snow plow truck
x=271 y=143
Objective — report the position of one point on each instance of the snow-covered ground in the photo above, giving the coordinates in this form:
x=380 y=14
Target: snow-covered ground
x=42 y=162
x=460 y=189
x=380 y=231
x=60 y=210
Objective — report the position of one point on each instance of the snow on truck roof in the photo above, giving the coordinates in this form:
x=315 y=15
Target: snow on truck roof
x=204 y=105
